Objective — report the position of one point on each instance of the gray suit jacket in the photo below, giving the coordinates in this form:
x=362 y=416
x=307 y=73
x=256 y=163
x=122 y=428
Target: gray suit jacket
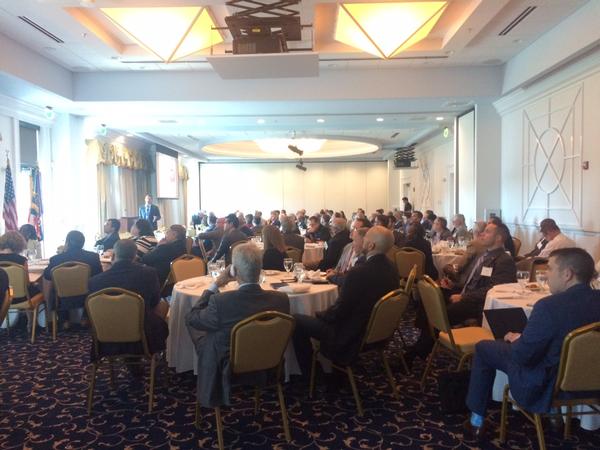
x=210 y=323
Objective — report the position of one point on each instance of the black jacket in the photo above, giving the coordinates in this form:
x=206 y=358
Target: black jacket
x=425 y=247
x=335 y=247
x=161 y=257
x=90 y=258
x=108 y=241
x=503 y=270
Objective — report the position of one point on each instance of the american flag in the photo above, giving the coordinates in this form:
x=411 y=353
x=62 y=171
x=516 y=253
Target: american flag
x=36 y=209
x=10 y=202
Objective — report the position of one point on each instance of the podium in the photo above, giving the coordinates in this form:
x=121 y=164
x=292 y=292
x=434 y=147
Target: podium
x=127 y=223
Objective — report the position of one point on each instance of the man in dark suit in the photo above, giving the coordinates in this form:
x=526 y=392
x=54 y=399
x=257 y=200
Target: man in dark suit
x=212 y=235
x=149 y=212
x=170 y=248
x=335 y=245
x=493 y=267
x=353 y=255
x=316 y=232
x=73 y=251
x=531 y=359
x=210 y=321
x=290 y=237
x=340 y=328
x=142 y=280
x=231 y=235
x=111 y=231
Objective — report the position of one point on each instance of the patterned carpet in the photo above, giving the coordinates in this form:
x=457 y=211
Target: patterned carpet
x=43 y=406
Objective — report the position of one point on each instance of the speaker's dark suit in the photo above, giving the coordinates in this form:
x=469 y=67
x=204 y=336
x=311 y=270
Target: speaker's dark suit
x=340 y=328
x=531 y=362
x=152 y=215
x=210 y=323
x=142 y=280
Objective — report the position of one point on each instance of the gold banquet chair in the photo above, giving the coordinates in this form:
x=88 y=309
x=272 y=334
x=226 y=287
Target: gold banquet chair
x=517 y=244
x=406 y=259
x=578 y=372
x=117 y=317
x=383 y=322
x=5 y=305
x=258 y=343
x=187 y=266
x=294 y=253
x=18 y=279
x=459 y=342
x=70 y=281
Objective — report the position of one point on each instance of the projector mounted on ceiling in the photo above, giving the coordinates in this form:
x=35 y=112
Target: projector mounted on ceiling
x=404 y=158
x=263 y=28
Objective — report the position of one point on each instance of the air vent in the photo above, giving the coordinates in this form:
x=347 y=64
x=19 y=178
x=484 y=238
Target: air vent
x=394 y=135
x=517 y=20
x=167 y=121
x=41 y=29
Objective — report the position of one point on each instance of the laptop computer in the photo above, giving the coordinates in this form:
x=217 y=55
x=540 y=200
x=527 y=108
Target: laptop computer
x=503 y=320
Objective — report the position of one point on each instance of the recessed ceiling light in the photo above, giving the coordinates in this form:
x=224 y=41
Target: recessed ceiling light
x=438 y=118
x=379 y=119
x=260 y=121
x=321 y=120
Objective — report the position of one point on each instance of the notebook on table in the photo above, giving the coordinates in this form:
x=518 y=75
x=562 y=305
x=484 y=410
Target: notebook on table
x=503 y=320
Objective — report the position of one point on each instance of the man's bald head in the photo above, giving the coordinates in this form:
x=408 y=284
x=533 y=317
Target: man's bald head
x=378 y=240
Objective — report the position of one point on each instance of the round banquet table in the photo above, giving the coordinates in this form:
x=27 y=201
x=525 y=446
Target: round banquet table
x=511 y=295
x=180 y=349
x=313 y=253
x=444 y=258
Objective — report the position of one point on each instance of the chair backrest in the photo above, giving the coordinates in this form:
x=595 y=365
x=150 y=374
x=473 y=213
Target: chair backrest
x=187 y=266
x=406 y=258
x=189 y=243
x=517 y=243
x=203 y=251
x=70 y=279
x=410 y=280
x=391 y=253
x=117 y=316
x=294 y=253
x=18 y=278
x=6 y=301
x=579 y=368
x=385 y=317
x=435 y=306
x=537 y=264
x=259 y=342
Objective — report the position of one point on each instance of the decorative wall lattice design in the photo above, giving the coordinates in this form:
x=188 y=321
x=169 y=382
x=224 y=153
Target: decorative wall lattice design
x=552 y=152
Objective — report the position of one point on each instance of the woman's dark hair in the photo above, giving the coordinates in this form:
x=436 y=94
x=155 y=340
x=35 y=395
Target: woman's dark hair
x=144 y=227
x=28 y=232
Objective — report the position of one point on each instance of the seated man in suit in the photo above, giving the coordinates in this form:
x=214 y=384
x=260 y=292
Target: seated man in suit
x=459 y=230
x=531 y=359
x=352 y=255
x=440 y=230
x=111 y=231
x=73 y=251
x=211 y=237
x=143 y=280
x=167 y=250
x=315 y=231
x=340 y=328
x=335 y=245
x=210 y=321
x=231 y=235
x=290 y=237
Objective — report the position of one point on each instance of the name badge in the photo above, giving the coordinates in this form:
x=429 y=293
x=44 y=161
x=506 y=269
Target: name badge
x=486 y=271
x=539 y=245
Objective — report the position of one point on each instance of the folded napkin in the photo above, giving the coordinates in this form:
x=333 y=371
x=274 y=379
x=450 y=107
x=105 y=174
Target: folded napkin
x=295 y=288
x=313 y=275
x=188 y=284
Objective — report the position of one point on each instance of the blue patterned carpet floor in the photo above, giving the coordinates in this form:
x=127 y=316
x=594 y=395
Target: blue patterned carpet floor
x=43 y=406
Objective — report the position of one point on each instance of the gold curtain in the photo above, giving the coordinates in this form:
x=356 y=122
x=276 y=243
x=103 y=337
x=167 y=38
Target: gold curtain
x=115 y=154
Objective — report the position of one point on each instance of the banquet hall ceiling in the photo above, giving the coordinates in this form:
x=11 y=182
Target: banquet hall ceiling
x=469 y=33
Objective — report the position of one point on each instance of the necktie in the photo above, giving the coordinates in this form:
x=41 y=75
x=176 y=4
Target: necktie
x=475 y=270
x=147 y=212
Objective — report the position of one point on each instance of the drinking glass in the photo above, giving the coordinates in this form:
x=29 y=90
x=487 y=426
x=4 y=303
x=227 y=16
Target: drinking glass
x=299 y=271
x=213 y=270
x=522 y=278
x=288 y=263
x=221 y=265
x=541 y=276
x=461 y=242
x=100 y=249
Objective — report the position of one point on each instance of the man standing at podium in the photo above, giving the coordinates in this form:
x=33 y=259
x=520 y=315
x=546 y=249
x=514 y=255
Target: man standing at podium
x=149 y=212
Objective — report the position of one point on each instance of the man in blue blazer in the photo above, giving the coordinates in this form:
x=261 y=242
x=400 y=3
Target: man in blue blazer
x=531 y=359
x=149 y=212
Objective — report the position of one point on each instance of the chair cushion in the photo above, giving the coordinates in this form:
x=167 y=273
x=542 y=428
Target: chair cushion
x=466 y=338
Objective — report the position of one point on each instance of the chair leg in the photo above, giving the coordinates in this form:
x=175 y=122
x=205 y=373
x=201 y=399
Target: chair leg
x=504 y=414
x=219 y=427
x=92 y=385
x=34 y=325
x=256 y=399
x=428 y=365
x=284 y=416
x=568 y=419
x=152 y=380
x=359 y=407
x=313 y=373
x=404 y=364
x=389 y=374
x=462 y=361
x=540 y=431
x=54 y=324
x=8 y=323
x=197 y=415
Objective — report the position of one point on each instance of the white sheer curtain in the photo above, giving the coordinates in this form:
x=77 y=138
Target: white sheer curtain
x=121 y=191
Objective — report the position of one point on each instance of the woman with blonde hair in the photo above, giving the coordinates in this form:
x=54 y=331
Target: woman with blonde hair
x=274 y=246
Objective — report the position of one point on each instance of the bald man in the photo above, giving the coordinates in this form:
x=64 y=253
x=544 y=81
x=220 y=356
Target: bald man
x=340 y=328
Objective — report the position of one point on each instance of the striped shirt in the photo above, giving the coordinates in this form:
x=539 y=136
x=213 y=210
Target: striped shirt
x=144 y=245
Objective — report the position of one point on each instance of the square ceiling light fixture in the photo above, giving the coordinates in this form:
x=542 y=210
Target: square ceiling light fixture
x=170 y=33
x=385 y=29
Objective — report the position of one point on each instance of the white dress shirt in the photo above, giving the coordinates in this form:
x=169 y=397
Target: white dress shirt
x=559 y=241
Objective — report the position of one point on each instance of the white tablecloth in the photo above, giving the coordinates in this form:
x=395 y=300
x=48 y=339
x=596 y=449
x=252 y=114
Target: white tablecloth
x=512 y=296
x=442 y=259
x=313 y=254
x=180 y=350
